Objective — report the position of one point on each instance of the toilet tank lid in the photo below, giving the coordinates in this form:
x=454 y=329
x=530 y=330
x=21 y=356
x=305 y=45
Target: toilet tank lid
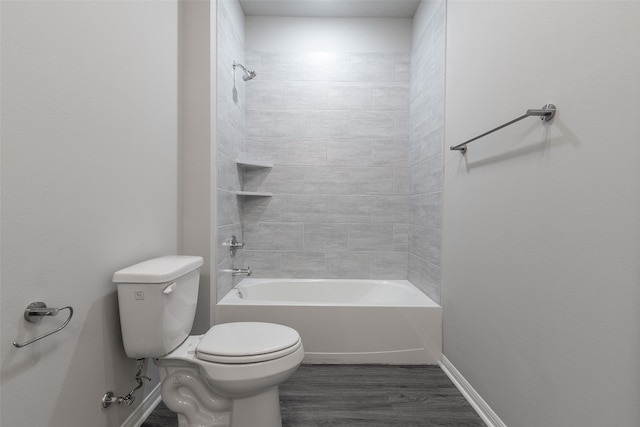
x=158 y=270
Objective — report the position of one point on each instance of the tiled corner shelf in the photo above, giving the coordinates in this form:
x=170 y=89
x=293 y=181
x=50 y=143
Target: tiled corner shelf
x=252 y=164
x=253 y=194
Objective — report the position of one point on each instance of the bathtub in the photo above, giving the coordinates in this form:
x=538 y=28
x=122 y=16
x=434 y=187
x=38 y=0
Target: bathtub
x=344 y=321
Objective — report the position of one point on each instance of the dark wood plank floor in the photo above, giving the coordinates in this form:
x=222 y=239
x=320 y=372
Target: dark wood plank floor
x=363 y=395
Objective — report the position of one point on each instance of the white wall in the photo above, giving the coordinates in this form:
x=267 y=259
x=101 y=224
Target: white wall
x=197 y=47
x=327 y=34
x=89 y=186
x=542 y=223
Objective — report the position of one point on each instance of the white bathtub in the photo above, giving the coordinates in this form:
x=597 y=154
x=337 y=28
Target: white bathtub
x=344 y=321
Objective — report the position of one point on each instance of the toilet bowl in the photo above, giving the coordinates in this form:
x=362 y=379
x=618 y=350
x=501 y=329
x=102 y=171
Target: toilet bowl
x=239 y=366
x=229 y=376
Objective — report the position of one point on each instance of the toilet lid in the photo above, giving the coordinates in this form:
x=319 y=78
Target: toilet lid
x=247 y=342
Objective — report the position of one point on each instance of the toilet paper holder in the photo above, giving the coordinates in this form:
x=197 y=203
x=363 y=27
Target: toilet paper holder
x=34 y=313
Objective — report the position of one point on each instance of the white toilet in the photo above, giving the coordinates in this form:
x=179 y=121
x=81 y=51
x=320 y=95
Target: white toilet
x=226 y=377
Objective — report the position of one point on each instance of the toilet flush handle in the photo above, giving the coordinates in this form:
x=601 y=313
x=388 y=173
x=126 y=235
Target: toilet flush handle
x=169 y=288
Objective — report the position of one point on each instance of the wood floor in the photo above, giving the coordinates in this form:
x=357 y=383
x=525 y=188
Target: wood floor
x=363 y=395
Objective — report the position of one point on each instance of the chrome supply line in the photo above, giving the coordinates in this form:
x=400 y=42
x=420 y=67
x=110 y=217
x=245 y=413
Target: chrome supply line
x=546 y=113
x=109 y=397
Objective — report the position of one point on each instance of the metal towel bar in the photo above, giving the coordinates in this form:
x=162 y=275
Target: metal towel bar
x=546 y=114
x=34 y=313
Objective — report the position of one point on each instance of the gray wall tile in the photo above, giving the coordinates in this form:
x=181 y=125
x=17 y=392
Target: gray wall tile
x=265 y=149
x=401 y=237
x=305 y=95
x=304 y=152
x=283 y=66
x=349 y=209
x=426 y=124
x=349 y=152
x=390 y=152
x=264 y=94
x=426 y=209
x=348 y=265
x=391 y=97
x=264 y=263
x=303 y=264
x=371 y=237
x=350 y=96
x=285 y=180
x=342 y=130
x=374 y=180
x=401 y=181
x=321 y=237
x=328 y=66
x=230 y=138
x=431 y=277
x=280 y=236
x=389 y=265
x=320 y=123
x=378 y=124
x=326 y=180
x=301 y=208
x=279 y=122
x=389 y=209
x=372 y=67
x=228 y=210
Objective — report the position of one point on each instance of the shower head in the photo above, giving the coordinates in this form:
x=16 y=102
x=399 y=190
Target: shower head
x=248 y=74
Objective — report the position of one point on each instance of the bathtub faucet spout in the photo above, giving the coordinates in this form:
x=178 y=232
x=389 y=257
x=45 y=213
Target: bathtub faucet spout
x=240 y=271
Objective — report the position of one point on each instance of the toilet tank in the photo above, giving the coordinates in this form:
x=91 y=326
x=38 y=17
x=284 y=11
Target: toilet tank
x=157 y=300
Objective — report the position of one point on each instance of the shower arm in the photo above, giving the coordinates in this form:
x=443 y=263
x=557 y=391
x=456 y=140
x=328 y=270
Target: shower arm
x=235 y=64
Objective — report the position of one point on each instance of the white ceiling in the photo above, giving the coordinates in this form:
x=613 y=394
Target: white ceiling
x=331 y=8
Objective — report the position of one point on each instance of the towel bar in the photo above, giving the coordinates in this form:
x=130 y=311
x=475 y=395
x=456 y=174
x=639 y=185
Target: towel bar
x=546 y=113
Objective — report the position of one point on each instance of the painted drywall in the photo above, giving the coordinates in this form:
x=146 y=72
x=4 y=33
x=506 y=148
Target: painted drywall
x=89 y=186
x=542 y=222
x=197 y=25
x=288 y=34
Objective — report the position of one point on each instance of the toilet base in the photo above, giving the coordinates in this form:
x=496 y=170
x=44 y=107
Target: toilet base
x=197 y=405
x=262 y=410
x=187 y=394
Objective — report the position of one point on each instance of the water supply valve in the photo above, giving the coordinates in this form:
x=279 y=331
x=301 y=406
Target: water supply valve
x=110 y=397
x=234 y=245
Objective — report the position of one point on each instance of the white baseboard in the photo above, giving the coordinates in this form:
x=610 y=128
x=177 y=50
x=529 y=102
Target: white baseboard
x=143 y=410
x=475 y=400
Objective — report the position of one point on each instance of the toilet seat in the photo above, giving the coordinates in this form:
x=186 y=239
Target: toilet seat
x=247 y=342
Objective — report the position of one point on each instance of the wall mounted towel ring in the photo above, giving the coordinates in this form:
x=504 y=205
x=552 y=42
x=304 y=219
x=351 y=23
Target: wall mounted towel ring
x=34 y=313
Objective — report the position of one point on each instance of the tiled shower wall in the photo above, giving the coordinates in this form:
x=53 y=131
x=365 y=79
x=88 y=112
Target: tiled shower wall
x=425 y=165
x=336 y=127
x=230 y=140
x=356 y=143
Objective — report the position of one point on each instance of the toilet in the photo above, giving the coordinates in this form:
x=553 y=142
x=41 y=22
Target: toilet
x=229 y=376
